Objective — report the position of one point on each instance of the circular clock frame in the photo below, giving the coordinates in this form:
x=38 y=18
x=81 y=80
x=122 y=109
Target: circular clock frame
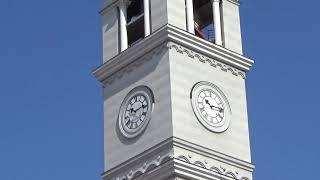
x=135 y=111
x=218 y=105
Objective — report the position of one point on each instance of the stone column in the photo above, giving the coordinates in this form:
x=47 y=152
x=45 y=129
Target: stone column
x=190 y=16
x=123 y=26
x=147 y=26
x=217 y=21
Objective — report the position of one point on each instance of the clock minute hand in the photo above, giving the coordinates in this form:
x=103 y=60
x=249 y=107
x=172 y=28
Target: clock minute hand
x=135 y=111
x=220 y=109
x=211 y=106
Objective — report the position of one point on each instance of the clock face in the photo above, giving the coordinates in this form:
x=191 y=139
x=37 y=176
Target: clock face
x=210 y=106
x=135 y=111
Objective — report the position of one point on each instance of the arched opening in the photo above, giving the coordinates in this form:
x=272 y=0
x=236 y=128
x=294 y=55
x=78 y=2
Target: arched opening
x=203 y=19
x=135 y=22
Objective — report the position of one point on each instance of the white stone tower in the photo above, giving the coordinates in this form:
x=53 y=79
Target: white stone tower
x=173 y=78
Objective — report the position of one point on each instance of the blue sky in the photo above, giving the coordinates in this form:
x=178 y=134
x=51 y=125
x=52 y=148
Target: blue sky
x=51 y=106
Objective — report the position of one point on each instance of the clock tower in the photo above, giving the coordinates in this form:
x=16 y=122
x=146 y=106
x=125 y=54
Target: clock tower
x=173 y=78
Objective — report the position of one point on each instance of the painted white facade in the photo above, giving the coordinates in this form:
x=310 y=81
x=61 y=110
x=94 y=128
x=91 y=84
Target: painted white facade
x=170 y=61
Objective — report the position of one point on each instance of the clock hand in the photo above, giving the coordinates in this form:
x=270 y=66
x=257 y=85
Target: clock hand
x=207 y=102
x=220 y=109
x=135 y=111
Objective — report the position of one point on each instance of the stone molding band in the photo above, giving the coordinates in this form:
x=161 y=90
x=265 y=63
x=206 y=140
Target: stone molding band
x=204 y=59
x=170 y=37
x=220 y=170
x=180 y=49
x=167 y=154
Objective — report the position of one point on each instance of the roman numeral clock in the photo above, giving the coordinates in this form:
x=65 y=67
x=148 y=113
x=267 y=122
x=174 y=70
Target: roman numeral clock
x=135 y=111
x=173 y=79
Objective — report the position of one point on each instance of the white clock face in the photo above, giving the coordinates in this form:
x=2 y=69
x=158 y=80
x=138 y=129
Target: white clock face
x=210 y=106
x=135 y=111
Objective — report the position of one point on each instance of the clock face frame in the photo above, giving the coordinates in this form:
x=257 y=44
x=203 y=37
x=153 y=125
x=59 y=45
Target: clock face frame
x=135 y=111
x=210 y=106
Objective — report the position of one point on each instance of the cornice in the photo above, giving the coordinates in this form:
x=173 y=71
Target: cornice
x=197 y=171
x=204 y=59
x=219 y=170
x=117 y=66
x=164 y=152
x=170 y=37
x=203 y=151
x=145 y=167
x=209 y=49
x=140 y=164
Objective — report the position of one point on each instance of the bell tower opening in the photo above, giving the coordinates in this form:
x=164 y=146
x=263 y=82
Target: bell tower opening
x=135 y=22
x=203 y=19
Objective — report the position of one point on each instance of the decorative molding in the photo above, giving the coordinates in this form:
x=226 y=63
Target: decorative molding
x=130 y=67
x=180 y=49
x=205 y=152
x=204 y=59
x=180 y=40
x=146 y=166
x=204 y=164
x=166 y=158
x=209 y=49
x=142 y=163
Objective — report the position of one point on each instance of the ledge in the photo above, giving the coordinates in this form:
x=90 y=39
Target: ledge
x=163 y=158
x=200 y=150
x=166 y=35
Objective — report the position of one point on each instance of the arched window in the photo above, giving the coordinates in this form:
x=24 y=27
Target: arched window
x=203 y=19
x=135 y=22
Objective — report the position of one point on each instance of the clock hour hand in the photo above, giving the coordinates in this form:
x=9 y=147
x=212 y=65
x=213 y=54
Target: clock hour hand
x=213 y=107
x=207 y=102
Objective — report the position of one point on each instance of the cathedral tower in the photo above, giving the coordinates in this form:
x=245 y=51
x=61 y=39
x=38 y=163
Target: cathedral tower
x=173 y=78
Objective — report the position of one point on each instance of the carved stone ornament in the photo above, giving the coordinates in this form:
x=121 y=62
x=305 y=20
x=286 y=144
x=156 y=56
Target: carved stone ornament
x=220 y=170
x=168 y=38
x=206 y=60
x=180 y=49
x=129 y=68
x=146 y=166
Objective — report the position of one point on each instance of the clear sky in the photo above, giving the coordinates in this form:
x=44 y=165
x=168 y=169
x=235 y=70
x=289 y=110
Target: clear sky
x=51 y=124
